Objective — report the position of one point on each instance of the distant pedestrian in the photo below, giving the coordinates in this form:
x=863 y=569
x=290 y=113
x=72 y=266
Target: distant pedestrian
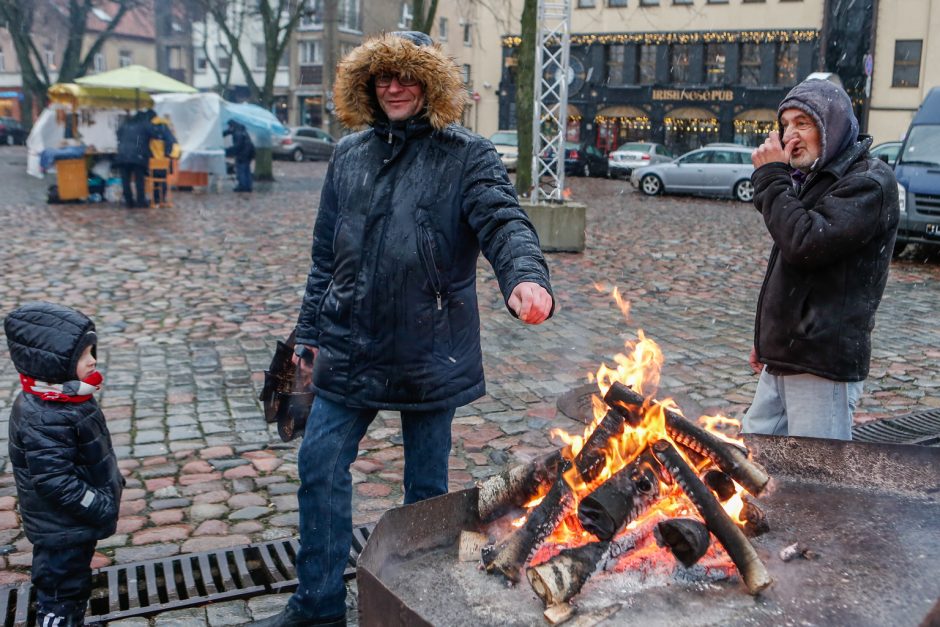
x=67 y=479
x=133 y=157
x=243 y=151
x=832 y=211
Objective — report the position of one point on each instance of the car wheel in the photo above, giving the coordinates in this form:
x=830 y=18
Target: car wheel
x=586 y=170
x=899 y=247
x=651 y=185
x=297 y=155
x=744 y=190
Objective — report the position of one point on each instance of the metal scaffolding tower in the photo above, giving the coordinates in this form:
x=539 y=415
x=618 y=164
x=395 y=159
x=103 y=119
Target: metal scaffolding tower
x=550 y=113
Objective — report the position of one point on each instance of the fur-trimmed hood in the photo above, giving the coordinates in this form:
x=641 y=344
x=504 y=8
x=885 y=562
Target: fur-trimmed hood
x=397 y=53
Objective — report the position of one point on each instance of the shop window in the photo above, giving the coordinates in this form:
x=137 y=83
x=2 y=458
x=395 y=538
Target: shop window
x=907 y=63
x=787 y=57
x=715 y=64
x=646 y=64
x=679 y=64
x=750 y=64
x=615 y=54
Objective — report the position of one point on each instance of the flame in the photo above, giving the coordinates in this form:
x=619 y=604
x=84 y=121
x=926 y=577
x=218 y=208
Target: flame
x=639 y=368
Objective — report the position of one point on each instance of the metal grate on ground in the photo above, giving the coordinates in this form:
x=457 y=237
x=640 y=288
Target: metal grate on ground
x=922 y=428
x=149 y=587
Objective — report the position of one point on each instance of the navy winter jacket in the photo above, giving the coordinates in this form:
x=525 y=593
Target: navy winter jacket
x=67 y=479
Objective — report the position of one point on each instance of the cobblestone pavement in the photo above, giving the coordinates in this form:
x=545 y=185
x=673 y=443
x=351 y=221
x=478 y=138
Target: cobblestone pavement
x=190 y=300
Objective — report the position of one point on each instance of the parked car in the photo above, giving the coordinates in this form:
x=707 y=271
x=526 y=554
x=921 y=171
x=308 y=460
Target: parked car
x=918 y=172
x=507 y=145
x=12 y=132
x=714 y=170
x=305 y=142
x=584 y=159
x=624 y=160
x=887 y=152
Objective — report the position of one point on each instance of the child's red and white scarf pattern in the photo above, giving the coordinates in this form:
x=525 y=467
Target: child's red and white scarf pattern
x=68 y=392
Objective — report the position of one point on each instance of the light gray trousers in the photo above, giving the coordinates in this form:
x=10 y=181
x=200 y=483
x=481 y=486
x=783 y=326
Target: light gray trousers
x=802 y=405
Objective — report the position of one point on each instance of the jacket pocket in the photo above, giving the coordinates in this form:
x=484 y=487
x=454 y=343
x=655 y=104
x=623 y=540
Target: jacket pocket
x=430 y=256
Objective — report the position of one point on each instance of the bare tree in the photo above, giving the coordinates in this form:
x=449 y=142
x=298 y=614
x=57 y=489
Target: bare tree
x=423 y=18
x=20 y=16
x=223 y=75
x=277 y=18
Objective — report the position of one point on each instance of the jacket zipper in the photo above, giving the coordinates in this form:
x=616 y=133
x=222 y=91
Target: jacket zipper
x=433 y=274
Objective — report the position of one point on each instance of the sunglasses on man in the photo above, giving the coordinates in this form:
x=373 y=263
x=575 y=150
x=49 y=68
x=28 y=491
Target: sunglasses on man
x=385 y=79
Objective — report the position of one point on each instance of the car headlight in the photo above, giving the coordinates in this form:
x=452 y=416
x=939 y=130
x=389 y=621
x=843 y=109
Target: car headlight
x=902 y=198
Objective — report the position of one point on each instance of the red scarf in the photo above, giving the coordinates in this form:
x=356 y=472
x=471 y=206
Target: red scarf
x=68 y=392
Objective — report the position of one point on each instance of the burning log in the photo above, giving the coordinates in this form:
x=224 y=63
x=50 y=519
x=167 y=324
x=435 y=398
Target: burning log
x=469 y=545
x=745 y=558
x=755 y=520
x=728 y=457
x=720 y=483
x=560 y=578
x=517 y=486
x=510 y=555
x=687 y=538
x=620 y=499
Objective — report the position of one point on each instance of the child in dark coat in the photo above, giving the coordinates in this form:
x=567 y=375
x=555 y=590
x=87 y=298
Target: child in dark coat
x=67 y=478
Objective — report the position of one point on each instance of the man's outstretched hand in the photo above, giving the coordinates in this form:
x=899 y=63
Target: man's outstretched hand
x=531 y=302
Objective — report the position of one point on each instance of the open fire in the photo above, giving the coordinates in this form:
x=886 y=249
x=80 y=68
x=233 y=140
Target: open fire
x=642 y=485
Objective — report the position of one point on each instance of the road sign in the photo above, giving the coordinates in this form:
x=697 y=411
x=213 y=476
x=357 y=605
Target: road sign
x=869 y=64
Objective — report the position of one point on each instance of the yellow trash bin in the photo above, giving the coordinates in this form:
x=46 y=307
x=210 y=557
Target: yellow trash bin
x=72 y=179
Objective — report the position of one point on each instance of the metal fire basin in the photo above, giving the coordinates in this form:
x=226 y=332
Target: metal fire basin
x=870 y=513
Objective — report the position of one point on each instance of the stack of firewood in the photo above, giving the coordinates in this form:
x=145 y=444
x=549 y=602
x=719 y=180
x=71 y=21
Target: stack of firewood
x=607 y=510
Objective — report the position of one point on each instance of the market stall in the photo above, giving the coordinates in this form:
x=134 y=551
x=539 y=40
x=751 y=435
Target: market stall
x=76 y=137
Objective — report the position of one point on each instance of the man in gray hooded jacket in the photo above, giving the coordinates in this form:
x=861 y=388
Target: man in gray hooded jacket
x=832 y=212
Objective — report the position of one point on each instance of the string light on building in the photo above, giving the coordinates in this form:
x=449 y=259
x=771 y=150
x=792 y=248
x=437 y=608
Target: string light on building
x=638 y=123
x=756 y=37
x=691 y=125
x=749 y=127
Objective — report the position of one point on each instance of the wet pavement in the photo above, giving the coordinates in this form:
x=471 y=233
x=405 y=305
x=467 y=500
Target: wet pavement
x=189 y=301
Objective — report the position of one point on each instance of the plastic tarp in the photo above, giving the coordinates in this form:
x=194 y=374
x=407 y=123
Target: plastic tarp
x=97 y=130
x=199 y=119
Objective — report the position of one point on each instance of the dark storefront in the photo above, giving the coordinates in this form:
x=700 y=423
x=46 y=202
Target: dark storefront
x=683 y=90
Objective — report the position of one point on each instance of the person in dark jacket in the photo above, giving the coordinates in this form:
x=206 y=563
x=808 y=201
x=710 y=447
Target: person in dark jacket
x=832 y=212
x=133 y=157
x=243 y=151
x=390 y=309
x=67 y=479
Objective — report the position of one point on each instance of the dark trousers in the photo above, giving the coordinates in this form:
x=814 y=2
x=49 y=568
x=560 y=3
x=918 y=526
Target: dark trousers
x=331 y=442
x=243 y=175
x=139 y=173
x=62 y=578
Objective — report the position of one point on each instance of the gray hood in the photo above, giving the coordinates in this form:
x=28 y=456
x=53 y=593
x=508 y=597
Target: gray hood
x=831 y=109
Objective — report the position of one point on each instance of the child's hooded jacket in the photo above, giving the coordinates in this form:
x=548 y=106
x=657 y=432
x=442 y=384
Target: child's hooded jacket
x=66 y=472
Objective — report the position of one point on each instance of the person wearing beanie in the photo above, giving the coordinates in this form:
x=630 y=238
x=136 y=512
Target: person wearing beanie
x=832 y=213
x=390 y=311
x=68 y=483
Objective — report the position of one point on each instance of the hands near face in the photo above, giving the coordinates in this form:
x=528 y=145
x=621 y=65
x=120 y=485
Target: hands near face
x=531 y=302
x=772 y=151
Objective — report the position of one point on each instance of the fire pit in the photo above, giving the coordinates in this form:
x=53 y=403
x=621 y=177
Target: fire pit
x=864 y=517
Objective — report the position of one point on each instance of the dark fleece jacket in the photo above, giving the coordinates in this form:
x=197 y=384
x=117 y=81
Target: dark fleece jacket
x=66 y=473
x=833 y=237
x=405 y=211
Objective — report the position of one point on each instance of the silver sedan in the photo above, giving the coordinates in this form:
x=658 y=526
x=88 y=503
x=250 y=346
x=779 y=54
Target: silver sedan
x=715 y=170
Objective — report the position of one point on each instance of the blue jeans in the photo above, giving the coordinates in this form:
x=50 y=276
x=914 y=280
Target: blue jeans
x=802 y=405
x=243 y=174
x=330 y=445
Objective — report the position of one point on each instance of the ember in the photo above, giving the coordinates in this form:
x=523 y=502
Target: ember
x=638 y=465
